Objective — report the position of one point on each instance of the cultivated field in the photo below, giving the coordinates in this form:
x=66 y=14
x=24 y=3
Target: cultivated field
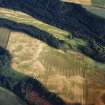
x=8 y=98
x=34 y=58
x=70 y=74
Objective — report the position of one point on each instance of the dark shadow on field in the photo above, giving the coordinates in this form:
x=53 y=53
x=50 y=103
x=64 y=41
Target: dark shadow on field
x=67 y=16
x=30 y=90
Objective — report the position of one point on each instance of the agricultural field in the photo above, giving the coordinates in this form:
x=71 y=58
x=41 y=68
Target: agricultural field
x=65 y=71
x=8 y=98
x=100 y=3
x=95 y=10
x=31 y=57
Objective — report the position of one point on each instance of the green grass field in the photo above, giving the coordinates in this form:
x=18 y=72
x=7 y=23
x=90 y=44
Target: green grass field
x=99 y=3
x=97 y=11
x=8 y=98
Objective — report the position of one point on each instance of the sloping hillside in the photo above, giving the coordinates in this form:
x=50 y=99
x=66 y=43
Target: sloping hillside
x=98 y=3
x=53 y=50
x=8 y=98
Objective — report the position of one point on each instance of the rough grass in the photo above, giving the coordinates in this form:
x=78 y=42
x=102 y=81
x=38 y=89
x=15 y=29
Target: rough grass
x=98 y=2
x=8 y=98
x=96 y=10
